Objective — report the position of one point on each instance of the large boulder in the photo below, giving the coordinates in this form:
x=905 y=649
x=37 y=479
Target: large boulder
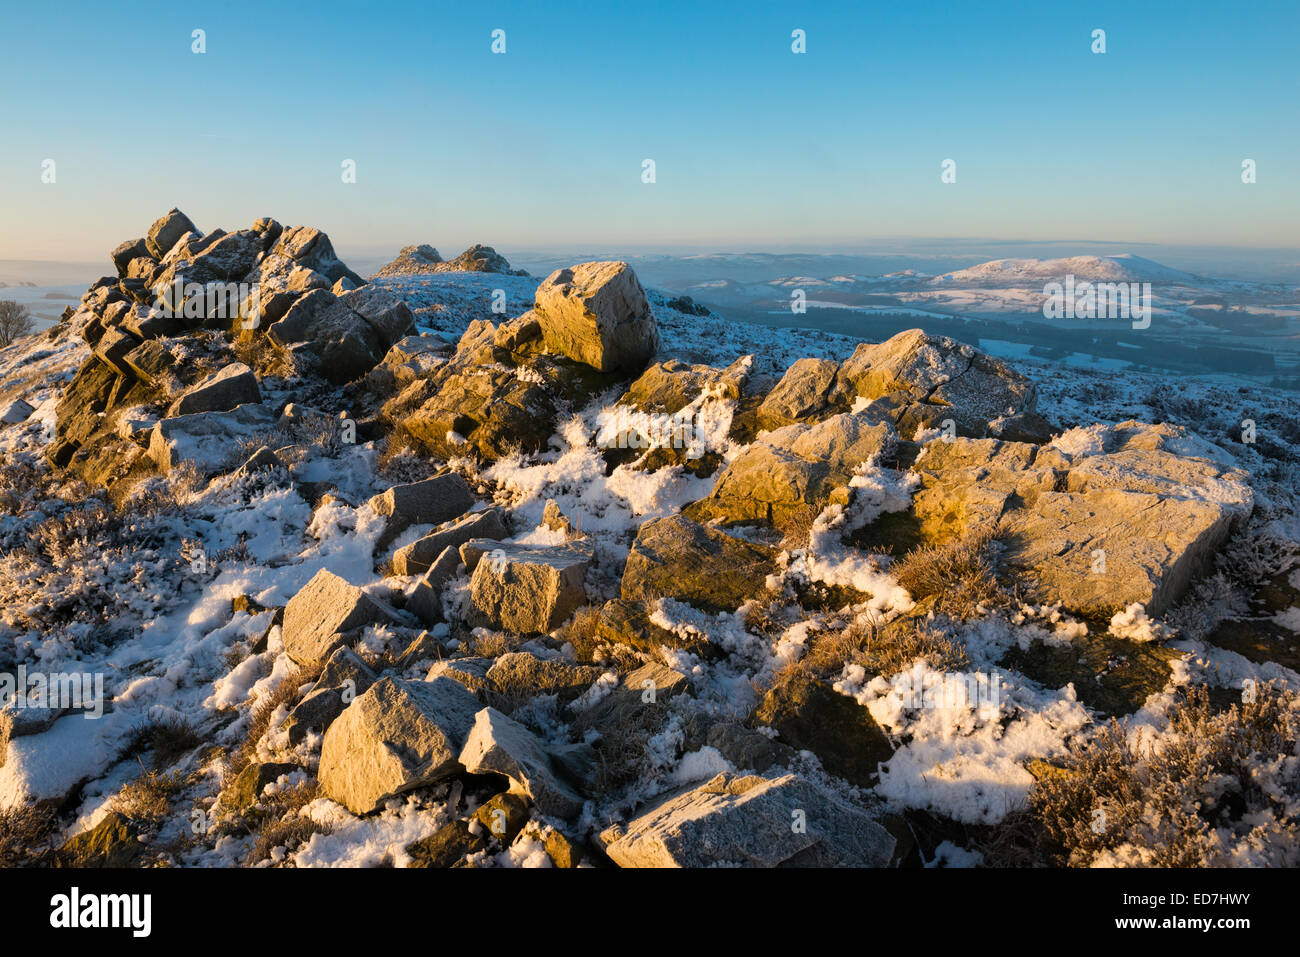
x=397 y=736
x=326 y=607
x=809 y=390
x=751 y=821
x=387 y=315
x=597 y=313
x=166 y=231
x=675 y=557
x=529 y=588
x=323 y=334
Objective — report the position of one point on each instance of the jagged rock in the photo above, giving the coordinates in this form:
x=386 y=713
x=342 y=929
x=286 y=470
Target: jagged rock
x=208 y=440
x=751 y=822
x=424 y=647
x=262 y=460
x=345 y=675
x=430 y=502
x=748 y=750
x=669 y=387
x=597 y=313
x=226 y=388
x=166 y=231
x=563 y=852
x=15 y=412
x=470 y=672
x=766 y=484
x=326 y=606
x=811 y=716
x=503 y=815
x=409 y=359
x=650 y=684
x=397 y=736
x=252 y=781
x=676 y=557
x=425 y=599
x=447 y=846
x=518 y=675
x=320 y=331
x=1124 y=521
x=517 y=332
x=498 y=745
x=418 y=556
x=411 y=260
x=125 y=252
x=311 y=248
x=529 y=588
x=113 y=842
x=809 y=390
x=387 y=315
x=629 y=623
x=969 y=387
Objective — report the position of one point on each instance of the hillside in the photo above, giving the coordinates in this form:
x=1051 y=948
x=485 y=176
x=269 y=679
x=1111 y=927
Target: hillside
x=456 y=567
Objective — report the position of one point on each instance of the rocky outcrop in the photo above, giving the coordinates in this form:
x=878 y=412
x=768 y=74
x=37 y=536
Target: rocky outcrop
x=423 y=259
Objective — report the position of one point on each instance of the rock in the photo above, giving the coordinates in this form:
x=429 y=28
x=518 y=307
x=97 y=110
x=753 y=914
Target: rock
x=387 y=315
x=324 y=607
x=503 y=816
x=811 y=716
x=166 y=231
x=498 y=745
x=629 y=623
x=327 y=337
x=597 y=314
x=648 y=685
x=669 y=387
x=447 y=846
x=424 y=647
x=125 y=252
x=311 y=248
x=563 y=852
x=430 y=502
x=397 y=736
x=1024 y=427
x=409 y=359
x=751 y=822
x=967 y=386
x=260 y=461
x=518 y=676
x=411 y=260
x=842 y=442
x=418 y=556
x=208 y=440
x=470 y=672
x=529 y=588
x=15 y=412
x=113 y=842
x=252 y=781
x=770 y=485
x=232 y=385
x=676 y=557
x=17 y=722
x=345 y=676
x=424 y=600
x=477 y=259
x=747 y=749
x=809 y=389
x=518 y=331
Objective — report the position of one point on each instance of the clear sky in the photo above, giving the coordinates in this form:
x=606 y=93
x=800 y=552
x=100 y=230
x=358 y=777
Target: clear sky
x=755 y=147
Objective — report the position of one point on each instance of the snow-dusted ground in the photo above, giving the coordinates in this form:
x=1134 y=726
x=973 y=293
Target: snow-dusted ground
x=164 y=634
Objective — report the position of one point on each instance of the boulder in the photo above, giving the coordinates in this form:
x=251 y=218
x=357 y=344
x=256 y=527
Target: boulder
x=448 y=846
x=430 y=502
x=311 y=248
x=679 y=558
x=751 y=821
x=232 y=385
x=597 y=313
x=411 y=260
x=345 y=675
x=529 y=588
x=418 y=556
x=809 y=390
x=208 y=440
x=387 y=315
x=499 y=745
x=324 y=607
x=470 y=672
x=166 y=231
x=518 y=675
x=424 y=600
x=397 y=736
x=248 y=786
x=327 y=337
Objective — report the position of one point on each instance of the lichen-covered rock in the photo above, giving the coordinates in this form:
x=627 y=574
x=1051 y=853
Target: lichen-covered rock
x=679 y=558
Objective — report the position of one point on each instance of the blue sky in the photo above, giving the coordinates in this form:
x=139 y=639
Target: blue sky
x=755 y=147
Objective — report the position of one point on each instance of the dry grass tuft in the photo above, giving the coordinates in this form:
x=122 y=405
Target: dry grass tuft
x=959 y=575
